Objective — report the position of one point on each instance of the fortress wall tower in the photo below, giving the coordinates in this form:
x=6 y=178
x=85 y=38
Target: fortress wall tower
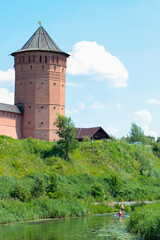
x=40 y=68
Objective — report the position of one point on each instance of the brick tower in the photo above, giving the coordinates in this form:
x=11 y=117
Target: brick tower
x=40 y=68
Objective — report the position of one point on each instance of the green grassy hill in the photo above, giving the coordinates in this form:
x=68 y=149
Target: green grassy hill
x=97 y=171
x=123 y=171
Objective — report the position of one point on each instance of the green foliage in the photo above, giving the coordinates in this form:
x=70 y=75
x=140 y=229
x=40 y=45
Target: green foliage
x=87 y=139
x=114 y=184
x=67 y=133
x=20 y=193
x=53 y=190
x=136 y=134
x=127 y=208
x=13 y=211
x=145 y=221
x=156 y=148
x=39 y=185
x=97 y=171
x=97 y=190
x=100 y=208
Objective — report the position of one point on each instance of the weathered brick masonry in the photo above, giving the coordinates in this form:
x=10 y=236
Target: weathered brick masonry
x=40 y=69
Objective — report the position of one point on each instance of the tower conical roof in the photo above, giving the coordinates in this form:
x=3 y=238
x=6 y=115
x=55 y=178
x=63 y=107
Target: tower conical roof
x=40 y=41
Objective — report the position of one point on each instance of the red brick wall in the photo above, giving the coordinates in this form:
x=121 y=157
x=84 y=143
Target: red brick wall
x=10 y=124
x=40 y=87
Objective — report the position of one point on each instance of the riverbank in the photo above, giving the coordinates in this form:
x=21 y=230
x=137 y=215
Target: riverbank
x=145 y=222
x=44 y=208
x=36 y=184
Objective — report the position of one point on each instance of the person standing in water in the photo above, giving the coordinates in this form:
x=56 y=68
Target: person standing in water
x=120 y=213
x=122 y=209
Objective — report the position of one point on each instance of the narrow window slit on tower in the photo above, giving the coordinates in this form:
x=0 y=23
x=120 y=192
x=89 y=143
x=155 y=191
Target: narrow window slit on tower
x=40 y=59
x=42 y=67
x=42 y=107
x=45 y=59
x=33 y=58
x=31 y=67
x=29 y=122
x=41 y=122
x=29 y=59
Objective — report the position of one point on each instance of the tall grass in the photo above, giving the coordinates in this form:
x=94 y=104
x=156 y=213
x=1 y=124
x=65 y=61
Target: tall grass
x=14 y=211
x=145 y=222
x=97 y=171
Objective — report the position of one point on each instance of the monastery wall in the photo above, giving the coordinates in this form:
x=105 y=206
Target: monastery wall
x=10 y=124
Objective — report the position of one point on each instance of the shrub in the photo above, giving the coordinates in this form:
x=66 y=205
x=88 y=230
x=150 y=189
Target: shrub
x=114 y=184
x=39 y=185
x=100 y=208
x=145 y=222
x=97 y=190
x=19 y=192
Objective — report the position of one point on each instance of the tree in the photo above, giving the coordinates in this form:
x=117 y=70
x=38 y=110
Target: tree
x=136 y=134
x=114 y=184
x=67 y=133
x=158 y=139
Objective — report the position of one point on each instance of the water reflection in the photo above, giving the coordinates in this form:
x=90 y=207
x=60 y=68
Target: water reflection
x=104 y=227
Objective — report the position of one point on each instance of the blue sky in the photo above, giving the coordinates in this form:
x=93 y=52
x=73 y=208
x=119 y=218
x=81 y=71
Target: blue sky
x=114 y=69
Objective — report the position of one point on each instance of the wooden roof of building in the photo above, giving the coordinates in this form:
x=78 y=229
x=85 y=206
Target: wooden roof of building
x=94 y=133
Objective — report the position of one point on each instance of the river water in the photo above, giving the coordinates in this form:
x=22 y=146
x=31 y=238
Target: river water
x=103 y=227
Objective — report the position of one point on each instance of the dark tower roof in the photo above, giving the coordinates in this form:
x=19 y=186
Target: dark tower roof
x=40 y=41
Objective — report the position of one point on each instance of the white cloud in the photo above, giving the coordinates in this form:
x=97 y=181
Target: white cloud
x=71 y=111
x=98 y=105
x=143 y=119
x=73 y=84
x=154 y=101
x=91 y=58
x=81 y=105
x=144 y=116
x=8 y=76
x=6 y=96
